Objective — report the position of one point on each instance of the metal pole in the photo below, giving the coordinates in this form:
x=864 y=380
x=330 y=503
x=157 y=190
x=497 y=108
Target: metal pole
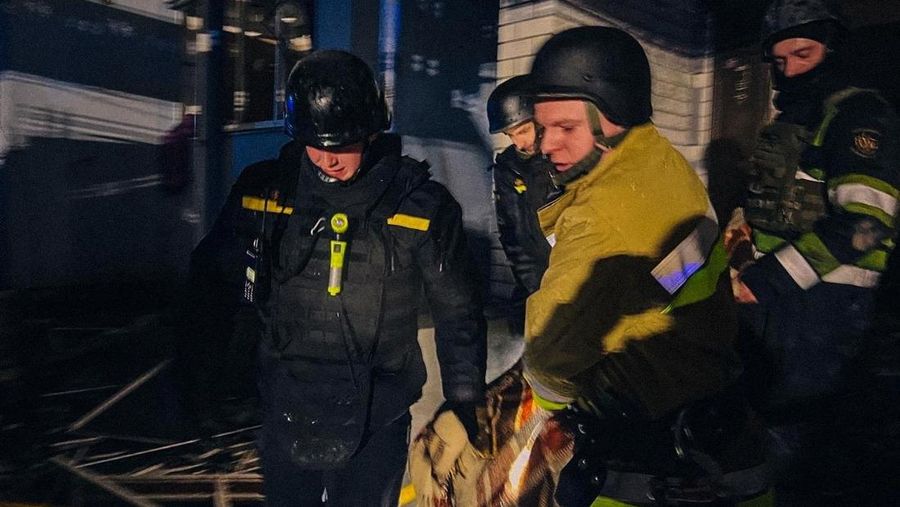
x=125 y=391
x=211 y=139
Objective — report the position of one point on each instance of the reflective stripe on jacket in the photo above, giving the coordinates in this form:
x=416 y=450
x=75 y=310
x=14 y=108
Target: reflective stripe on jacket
x=856 y=153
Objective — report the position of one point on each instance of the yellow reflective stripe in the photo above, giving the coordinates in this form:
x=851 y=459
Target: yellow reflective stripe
x=546 y=404
x=259 y=204
x=605 y=501
x=852 y=275
x=703 y=283
x=765 y=499
x=766 y=242
x=544 y=397
x=796 y=265
x=409 y=222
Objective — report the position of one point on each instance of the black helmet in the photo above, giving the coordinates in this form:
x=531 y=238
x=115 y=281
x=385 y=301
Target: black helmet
x=507 y=106
x=601 y=64
x=332 y=99
x=811 y=19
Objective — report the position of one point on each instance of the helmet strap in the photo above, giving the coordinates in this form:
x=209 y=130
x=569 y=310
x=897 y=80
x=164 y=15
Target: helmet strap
x=602 y=143
x=606 y=143
x=578 y=169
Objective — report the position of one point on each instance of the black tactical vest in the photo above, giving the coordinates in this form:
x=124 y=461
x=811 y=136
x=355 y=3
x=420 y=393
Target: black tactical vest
x=322 y=353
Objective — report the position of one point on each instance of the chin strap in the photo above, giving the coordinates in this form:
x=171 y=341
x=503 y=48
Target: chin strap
x=578 y=169
x=602 y=143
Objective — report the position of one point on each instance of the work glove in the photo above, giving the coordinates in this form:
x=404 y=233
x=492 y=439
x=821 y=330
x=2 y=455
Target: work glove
x=433 y=459
x=773 y=165
x=466 y=413
x=777 y=154
x=443 y=454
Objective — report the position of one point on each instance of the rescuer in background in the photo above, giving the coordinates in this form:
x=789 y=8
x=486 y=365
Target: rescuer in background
x=822 y=206
x=522 y=183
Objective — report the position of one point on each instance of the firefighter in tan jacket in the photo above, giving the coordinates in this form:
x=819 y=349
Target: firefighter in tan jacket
x=630 y=335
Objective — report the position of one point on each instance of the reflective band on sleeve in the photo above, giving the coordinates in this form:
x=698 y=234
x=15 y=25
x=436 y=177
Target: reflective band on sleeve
x=552 y=240
x=689 y=256
x=852 y=275
x=550 y=399
x=258 y=204
x=795 y=264
x=704 y=282
x=857 y=193
x=409 y=222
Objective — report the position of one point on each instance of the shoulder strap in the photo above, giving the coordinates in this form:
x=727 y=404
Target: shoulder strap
x=412 y=174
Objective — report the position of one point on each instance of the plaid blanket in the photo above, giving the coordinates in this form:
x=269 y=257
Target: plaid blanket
x=515 y=460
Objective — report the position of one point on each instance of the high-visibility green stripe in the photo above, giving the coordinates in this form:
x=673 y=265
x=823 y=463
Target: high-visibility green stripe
x=831 y=110
x=870 y=211
x=547 y=404
x=876 y=260
x=865 y=179
x=816 y=253
x=765 y=242
x=702 y=284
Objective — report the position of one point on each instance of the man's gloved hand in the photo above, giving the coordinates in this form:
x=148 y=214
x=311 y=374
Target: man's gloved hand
x=773 y=165
x=778 y=150
x=473 y=417
x=434 y=456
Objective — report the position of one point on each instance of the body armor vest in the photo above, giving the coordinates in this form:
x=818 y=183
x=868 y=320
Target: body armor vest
x=784 y=200
x=322 y=354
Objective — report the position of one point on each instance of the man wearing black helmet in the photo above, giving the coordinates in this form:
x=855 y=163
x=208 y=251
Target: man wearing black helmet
x=347 y=234
x=521 y=183
x=822 y=206
x=631 y=332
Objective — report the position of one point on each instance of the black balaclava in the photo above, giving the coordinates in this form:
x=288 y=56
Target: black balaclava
x=800 y=98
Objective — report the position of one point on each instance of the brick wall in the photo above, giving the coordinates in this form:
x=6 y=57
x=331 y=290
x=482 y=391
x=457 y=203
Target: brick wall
x=682 y=84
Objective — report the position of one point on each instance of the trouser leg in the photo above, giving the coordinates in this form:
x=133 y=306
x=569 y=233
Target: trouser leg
x=375 y=475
